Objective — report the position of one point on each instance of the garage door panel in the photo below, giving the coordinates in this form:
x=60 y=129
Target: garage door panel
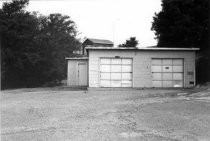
x=105 y=68
x=167 y=84
x=156 y=62
x=126 y=76
x=178 y=83
x=167 y=76
x=116 y=72
x=157 y=83
x=167 y=72
x=126 y=83
x=167 y=62
x=177 y=76
x=105 y=83
x=156 y=69
x=115 y=83
x=105 y=76
x=178 y=69
x=178 y=62
x=127 y=68
x=156 y=76
x=116 y=76
x=105 y=61
x=127 y=61
x=166 y=68
x=115 y=61
x=115 y=68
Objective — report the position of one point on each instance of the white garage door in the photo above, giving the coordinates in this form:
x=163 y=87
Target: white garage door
x=167 y=72
x=115 y=72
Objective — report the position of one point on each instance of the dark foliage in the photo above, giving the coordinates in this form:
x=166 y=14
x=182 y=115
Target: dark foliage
x=185 y=23
x=33 y=48
x=132 y=42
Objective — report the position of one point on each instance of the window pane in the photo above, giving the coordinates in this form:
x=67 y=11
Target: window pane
x=126 y=76
x=126 y=83
x=156 y=61
x=177 y=68
x=105 y=83
x=116 y=61
x=167 y=62
x=167 y=83
x=126 y=68
x=157 y=83
x=178 y=83
x=105 y=68
x=167 y=76
x=156 y=76
x=115 y=83
x=177 y=76
x=115 y=76
x=156 y=69
x=127 y=61
x=105 y=76
x=178 y=62
x=105 y=61
x=115 y=68
x=167 y=68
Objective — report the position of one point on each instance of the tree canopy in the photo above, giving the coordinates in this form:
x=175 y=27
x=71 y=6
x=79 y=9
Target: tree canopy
x=182 y=23
x=132 y=42
x=34 y=47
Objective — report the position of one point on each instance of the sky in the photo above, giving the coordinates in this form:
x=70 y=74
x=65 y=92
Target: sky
x=115 y=20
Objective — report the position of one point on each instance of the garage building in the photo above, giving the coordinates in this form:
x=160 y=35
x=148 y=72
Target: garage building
x=133 y=67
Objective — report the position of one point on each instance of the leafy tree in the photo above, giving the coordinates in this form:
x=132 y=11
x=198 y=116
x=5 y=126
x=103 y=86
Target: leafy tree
x=182 y=23
x=58 y=40
x=18 y=29
x=132 y=42
x=34 y=47
x=185 y=23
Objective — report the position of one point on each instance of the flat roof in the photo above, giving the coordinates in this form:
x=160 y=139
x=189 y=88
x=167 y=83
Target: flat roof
x=76 y=58
x=144 y=48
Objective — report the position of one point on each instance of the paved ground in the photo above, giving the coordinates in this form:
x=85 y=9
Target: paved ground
x=146 y=115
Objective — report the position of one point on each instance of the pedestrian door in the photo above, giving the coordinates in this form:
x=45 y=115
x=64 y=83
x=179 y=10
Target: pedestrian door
x=82 y=74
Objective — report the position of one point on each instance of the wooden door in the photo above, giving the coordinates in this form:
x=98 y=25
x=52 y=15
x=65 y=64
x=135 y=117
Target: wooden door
x=82 y=74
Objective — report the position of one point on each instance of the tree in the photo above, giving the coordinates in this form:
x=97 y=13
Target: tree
x=18 y=29
x=185 y=23
x=132 y=42
x=34 y=47
x=58 y=39
x=182 y=23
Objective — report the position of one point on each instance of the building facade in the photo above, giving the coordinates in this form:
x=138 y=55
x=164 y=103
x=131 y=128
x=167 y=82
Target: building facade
x=135 y=68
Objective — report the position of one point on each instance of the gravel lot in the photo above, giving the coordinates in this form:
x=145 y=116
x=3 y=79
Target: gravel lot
x=131 y=115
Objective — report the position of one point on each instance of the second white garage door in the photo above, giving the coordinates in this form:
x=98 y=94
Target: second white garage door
x=115 y=72
x=167 y=72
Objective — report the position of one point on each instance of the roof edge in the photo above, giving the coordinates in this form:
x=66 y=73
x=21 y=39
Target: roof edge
x=144 y=48
x=76 y=58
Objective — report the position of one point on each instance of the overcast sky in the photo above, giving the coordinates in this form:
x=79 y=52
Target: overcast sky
x=116 y=20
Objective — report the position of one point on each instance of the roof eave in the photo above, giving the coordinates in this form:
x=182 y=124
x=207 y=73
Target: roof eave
x=134 y=48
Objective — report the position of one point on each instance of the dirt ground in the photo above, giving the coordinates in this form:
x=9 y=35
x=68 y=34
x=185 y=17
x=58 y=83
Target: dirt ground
x=55 y=114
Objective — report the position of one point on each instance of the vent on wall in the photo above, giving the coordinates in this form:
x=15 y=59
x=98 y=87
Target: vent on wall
x=191 y=82
x=189 y=73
